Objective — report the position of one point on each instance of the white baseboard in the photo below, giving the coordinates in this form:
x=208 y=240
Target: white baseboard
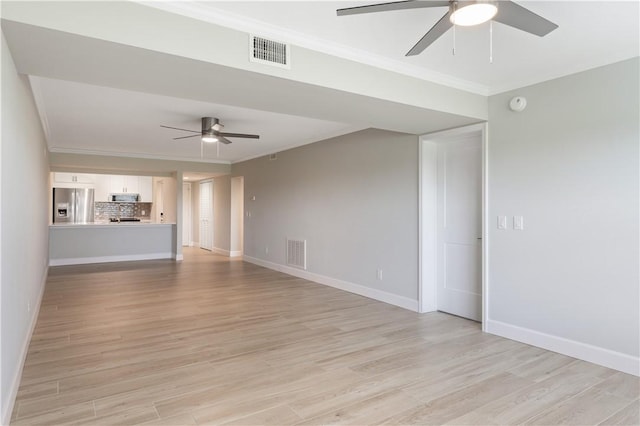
x=178 y=257
x=371 y=293
x=106 y=259
x=15 y=382
x=223 y=252
x=605 y=357
x=235 y=253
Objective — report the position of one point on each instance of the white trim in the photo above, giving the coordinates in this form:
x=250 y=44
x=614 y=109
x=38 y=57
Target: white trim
x=223 y=252
x=235 y=253
x=427 y=283
x=371 y=293
x=605 y=357
x=15 y=382
x=178 y=257
x=107 y=259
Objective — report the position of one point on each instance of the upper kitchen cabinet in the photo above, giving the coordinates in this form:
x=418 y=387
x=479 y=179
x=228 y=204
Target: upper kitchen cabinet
x=73 y=180
x=145 y=188
x=121 y=184
x=103 y=187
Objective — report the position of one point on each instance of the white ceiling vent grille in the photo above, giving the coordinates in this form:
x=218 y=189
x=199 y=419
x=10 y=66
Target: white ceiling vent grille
x=269 y=52
x=297 y=253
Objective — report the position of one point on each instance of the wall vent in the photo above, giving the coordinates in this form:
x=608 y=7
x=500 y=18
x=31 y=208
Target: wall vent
x=269 y=52
x=297 y=253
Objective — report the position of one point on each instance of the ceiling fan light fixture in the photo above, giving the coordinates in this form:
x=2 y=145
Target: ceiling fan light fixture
x=475 y=13
x=209 y=138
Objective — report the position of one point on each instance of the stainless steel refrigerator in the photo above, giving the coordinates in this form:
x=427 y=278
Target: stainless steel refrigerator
x=73 y=205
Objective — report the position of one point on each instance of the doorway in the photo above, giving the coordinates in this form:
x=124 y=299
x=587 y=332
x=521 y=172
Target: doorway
x=452 y=222
x=206 y=215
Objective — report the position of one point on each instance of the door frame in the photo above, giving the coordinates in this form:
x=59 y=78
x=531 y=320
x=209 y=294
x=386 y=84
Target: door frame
x=187 y=216
x=213 y=214
x=427 y=217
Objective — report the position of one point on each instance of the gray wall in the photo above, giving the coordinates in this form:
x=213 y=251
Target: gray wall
x=24 y=250
x=569 y=165
x=354 y=199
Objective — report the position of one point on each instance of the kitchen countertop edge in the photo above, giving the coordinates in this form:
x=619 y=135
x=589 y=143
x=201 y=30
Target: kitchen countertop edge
x=107 y=224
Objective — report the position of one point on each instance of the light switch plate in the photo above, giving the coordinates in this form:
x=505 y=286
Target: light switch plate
x=502 y=222
x=518 y=223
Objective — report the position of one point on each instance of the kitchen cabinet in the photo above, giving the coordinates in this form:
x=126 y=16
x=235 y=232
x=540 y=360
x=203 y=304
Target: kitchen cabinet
x=105 y=185
x=73 y=180
x=145 y=188
x=121 y=184
x=102 y=187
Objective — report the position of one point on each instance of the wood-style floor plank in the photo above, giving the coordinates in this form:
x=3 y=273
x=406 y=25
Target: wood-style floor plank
x=216 y=341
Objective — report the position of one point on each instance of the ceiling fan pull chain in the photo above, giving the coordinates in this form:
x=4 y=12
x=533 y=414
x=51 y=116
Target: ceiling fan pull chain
x=201 y=149
x=217 y=149
x=453 y=52
x=490 y=42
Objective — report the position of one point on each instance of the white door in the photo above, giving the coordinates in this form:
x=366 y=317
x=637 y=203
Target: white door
x=206 y=215
x=459 y=229
x=186 y=214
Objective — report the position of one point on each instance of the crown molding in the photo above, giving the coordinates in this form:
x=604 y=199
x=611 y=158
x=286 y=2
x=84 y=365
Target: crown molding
x=237 y=22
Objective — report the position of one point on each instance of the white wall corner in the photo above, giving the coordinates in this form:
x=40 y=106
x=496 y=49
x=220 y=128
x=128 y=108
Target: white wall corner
x=371 y=293
x=594 y=354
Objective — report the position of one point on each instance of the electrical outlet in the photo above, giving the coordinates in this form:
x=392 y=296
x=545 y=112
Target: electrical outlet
x=379 y=274
x=266 y=250
x=28 y=306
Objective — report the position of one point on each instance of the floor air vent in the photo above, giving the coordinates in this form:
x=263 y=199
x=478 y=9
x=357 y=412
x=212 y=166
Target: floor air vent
x=297 y=253
x=268 y=52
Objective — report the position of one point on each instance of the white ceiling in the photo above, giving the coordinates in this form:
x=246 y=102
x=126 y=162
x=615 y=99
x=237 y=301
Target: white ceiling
x=93 y=118
x=83 y=118
x=590 y=34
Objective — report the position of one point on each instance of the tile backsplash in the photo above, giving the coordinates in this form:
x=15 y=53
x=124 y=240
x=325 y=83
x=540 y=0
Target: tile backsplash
x=106 y=210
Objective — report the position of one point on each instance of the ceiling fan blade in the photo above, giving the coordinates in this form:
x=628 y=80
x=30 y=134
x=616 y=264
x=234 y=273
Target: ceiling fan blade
x=396 y=5
x=237 y=135
x=514 y=15
x=432 y=35
x=186 y=137
x=177 y=128
x=223 y=140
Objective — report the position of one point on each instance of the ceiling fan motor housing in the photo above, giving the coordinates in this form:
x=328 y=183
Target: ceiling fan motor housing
x=208 y=123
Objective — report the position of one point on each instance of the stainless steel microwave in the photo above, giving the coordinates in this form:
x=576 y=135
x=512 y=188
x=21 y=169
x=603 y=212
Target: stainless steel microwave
x=124 y=198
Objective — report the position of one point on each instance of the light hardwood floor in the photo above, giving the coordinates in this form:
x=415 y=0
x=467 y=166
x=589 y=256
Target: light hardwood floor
x=214 y=341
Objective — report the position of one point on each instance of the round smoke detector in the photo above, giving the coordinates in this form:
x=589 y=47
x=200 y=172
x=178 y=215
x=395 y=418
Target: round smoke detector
x=518 y=104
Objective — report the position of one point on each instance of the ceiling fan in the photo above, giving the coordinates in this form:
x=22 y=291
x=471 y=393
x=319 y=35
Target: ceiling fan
x=464 y=13
x=211 y=132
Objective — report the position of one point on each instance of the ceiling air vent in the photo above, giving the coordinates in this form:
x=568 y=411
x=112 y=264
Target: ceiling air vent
x=269 y=52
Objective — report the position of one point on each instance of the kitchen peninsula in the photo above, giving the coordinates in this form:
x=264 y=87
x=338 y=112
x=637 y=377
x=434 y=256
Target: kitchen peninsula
x=73 y=244
x=121 y=226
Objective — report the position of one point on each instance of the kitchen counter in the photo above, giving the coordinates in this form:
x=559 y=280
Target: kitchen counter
x=109 y=224
x=98 y=242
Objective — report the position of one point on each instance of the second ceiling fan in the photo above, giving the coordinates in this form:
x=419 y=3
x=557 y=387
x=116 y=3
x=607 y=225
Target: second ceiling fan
x=465 y=13
x=210 y=132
